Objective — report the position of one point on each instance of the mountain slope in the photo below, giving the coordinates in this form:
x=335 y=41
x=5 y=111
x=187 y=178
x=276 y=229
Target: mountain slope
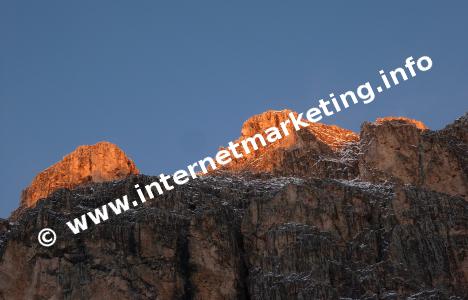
x=372 y=218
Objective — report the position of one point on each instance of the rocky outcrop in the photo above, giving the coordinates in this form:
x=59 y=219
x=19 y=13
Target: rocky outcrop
x=389 y=149
x=103 y=161
x=397 y=150
x=244 y=238
x=402 y=120
x=339 y=225
x=311 y=151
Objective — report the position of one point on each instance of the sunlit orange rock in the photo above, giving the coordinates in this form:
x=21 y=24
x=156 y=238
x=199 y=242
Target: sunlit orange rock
x=278 y=157
x=103 y=161
x=386 y=206
x=418 y=124
x=331 y=135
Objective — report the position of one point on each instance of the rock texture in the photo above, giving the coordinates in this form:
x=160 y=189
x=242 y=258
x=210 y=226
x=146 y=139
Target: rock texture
x=326 y=221
x=103 y=161
x=402 y=120
x=398 y=150
x=299 y=153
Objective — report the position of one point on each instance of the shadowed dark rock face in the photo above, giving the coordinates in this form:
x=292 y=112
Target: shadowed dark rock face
x=340 y=224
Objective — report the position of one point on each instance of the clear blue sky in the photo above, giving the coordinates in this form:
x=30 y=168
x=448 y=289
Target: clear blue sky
x=172 y=81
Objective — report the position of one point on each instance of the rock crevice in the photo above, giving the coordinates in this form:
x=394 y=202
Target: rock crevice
x=382 y=215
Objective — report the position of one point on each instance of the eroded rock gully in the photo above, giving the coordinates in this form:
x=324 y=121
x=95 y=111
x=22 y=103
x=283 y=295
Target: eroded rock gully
x=383 y=216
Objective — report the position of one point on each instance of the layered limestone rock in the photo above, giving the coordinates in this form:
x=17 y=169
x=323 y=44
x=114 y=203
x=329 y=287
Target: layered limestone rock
x=401 y=150
x=332 y=136
x=299 y=153
x=380 y=217
x=243 y=238
x=391 y=148
x=103 y=161
x=402 y=120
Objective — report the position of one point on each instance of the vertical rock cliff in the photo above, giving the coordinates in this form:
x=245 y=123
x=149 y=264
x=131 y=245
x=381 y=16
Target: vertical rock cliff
x=103 y=161
x=325 y=214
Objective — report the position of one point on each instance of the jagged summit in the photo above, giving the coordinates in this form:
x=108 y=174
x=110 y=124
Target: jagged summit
x=402 y=120
x=318 y=150
x=277 y=158
x=382 y=216
x=331 y=135
x=389 y=149
x=100 y=162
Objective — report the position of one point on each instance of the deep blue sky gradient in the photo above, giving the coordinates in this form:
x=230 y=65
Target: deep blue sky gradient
x=170 y=82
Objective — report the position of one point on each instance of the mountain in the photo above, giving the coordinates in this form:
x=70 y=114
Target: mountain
x=103 y=161
x=322 y=214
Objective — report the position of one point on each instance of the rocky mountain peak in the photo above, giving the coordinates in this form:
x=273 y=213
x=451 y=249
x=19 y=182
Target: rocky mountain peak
x=260 y=122
x=103 y=161
x=331 y=135
x=402 y=120
x=330 y=216
x=389 y=149
x=277 y=157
